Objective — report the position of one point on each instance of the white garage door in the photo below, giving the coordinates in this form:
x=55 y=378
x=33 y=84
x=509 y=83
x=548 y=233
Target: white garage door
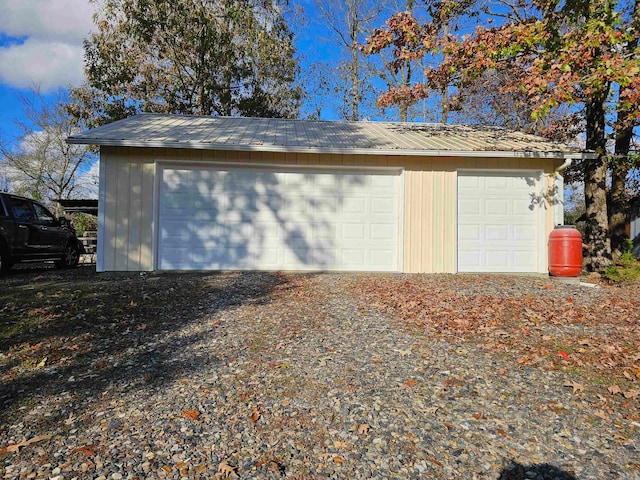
x=263 y=219
x=499 y=218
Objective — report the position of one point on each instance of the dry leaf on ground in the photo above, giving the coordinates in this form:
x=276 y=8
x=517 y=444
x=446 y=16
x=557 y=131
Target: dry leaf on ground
x=25 y=443
x=226 y=470
x=191 y=414
x=363 y=428
x=577 y=388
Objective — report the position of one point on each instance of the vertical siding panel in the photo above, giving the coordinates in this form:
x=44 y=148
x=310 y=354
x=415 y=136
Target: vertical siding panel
x=148 y=221
x=437 y=225
x=122 y=211
x=451 y=207
x=195 y=155
x=414 y=222
x=302 y=158
x=406 y=224
x=409 y=222
x=135 y=214
x=287 y=158
x=425 y=221
x=335 y=159
x=111 y=205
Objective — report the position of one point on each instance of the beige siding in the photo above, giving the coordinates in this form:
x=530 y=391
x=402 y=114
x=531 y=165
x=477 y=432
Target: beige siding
x=429 y=223
x=126 y=238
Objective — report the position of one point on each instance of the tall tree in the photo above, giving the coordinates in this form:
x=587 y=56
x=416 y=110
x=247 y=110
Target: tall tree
x=41 y=165
x=412 y=42
x=349 y=21
x=562 y=53
x=206 y=57
x=624 y=159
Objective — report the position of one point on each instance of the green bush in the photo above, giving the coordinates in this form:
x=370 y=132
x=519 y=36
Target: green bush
x=83 y=222
x=625 y=270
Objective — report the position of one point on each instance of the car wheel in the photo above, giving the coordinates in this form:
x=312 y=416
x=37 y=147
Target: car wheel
x=5 y=263
x=71 y=257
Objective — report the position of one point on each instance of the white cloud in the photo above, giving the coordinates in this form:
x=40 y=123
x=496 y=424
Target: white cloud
x=39 y=63
x=66 y=21
x=52 y=54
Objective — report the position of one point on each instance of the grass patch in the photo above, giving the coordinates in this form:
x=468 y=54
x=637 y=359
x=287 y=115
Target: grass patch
x=625 y=270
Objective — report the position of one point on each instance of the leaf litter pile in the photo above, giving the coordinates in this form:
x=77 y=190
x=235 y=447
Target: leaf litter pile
x=260 y=375
x=590 y=333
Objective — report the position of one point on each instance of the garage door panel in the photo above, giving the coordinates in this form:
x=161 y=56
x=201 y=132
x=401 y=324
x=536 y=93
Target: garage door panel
x=357 y=205
x=525 y=233
x=469 y=207
x=496 y=233
x=495 y=182
x=383 y=232
x=382 y=259
x=469 y=232
x=354 y=231
x=383 y=206
x=497 y=259
x=496 y=207
x=353 y=259
x=264 y=219
x=524 y=207
x=383 y=183
x=498 y=223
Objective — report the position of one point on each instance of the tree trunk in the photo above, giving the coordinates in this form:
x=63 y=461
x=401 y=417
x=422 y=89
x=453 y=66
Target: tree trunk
x=617 y=207
x=595 y=188
x=625 y=122
x=354 y=27
x=355 y=90
x=445 y=89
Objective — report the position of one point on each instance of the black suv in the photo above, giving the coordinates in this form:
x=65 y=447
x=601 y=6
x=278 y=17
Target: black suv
x=30 y=233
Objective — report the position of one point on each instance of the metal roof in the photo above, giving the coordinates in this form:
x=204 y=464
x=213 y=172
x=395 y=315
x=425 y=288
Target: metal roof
x=87 y=205
x=316 y=136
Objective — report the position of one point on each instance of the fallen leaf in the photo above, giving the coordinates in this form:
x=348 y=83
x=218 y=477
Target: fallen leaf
x=562 y=354
x=363 y=428
x=42 y=362
x=226 y=470
x=338 y=459
x=25 y=443
x=191 y=414
x=167 y=468
x=614 y=389
x=570 y=300
x=256 y=415
x=627 y=375
x=410 y=383
x=88 y=450
x=501 y=432
x=601 y=414
x=631 y=394
x=577 y=388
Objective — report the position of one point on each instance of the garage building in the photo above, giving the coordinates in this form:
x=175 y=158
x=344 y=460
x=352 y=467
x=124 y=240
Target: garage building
x=220 y=193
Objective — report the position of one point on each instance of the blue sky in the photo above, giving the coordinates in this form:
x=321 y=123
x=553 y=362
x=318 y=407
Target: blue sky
x=41 y=45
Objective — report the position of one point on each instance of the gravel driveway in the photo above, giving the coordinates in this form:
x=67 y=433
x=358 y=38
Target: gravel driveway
x=258 y=375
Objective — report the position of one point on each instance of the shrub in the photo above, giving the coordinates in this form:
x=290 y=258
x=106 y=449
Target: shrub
x=625 y=270
x=83 y=222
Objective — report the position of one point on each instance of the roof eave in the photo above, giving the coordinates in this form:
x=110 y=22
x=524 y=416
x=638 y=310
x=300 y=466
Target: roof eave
x=324 y=150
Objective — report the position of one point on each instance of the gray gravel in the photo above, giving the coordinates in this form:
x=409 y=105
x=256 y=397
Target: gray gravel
x=306 y=381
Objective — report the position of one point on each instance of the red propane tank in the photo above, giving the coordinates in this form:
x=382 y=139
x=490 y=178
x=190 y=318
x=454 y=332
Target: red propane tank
x=565 y=252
